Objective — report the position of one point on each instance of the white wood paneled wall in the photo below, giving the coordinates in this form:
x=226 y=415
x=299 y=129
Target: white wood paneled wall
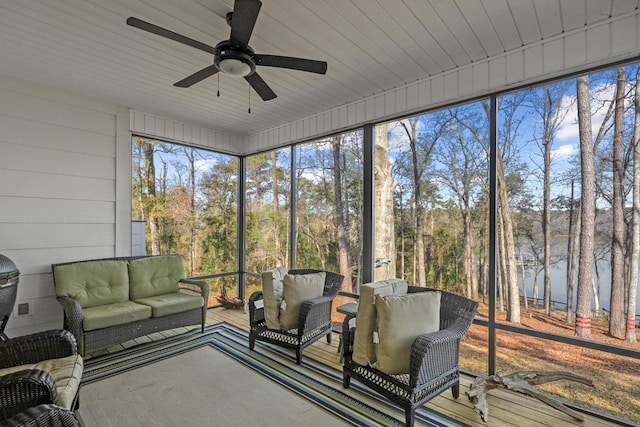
x=57 y=190
x=153 y=126
x=590 y=46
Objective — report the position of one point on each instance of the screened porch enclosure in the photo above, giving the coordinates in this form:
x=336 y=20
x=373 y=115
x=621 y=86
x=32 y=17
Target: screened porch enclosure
x=483 y=199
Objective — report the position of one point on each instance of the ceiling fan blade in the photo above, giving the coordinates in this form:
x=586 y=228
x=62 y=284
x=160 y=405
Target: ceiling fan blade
x=146 y=26
x=197 y=76
x=260 y=86
x=290 y=62
x=245 y=14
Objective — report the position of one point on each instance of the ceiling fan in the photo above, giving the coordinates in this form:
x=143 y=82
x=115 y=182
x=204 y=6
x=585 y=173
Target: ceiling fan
x=235 y=57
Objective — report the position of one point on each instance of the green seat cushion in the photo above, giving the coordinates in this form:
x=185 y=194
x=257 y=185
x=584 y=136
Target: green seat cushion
x=401 y=319
x=104 y=316
x=297 y=288
x=93 y=283
x=364 y=352
x=176 y=302
x=155 y=275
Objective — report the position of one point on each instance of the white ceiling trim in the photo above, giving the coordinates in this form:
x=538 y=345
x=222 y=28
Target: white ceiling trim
x=153 y=126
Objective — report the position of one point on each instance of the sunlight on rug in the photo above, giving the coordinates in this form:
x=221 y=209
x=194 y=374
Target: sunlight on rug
x=202 y=379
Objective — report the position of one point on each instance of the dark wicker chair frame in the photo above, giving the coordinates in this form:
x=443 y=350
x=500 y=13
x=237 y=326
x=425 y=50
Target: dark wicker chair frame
x=92 y=341
x=32 y=387
x=42 y=416
x=314 y=321
x=434 y=358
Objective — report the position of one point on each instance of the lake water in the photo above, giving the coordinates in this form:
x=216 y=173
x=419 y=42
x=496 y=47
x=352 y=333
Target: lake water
x=559 y=290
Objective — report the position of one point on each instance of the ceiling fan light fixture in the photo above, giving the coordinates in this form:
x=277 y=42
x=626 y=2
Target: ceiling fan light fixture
x=234 y=67
x=236 y=64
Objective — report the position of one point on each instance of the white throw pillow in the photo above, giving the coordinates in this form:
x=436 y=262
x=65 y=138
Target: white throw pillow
x=272 y=289
x=400 y=321
x=364 y=352
x=297 y=289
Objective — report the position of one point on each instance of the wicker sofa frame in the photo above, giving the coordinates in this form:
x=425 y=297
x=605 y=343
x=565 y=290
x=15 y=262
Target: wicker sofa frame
x=434 y=358
x=92 y=341
x=21 y=391
x=314 y=320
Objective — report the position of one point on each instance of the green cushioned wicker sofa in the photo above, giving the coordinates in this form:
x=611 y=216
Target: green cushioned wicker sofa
x=112 y=300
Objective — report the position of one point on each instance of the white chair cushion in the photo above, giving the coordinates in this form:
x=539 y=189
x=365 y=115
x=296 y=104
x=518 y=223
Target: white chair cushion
x=66 y=372
x=297 y=289
x=364 y=352
x=272 y=295
x=401 y=319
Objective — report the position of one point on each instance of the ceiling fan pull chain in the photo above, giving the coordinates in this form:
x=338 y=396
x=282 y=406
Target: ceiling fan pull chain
x=249 y=99
x=218 y=85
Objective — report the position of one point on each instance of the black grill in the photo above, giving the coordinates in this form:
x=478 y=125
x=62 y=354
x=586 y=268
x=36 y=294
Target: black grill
x=9 y=277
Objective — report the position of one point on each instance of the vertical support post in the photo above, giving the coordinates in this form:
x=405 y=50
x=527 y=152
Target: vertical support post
x=293 y=208
x=493 y=228
x=368 y=212
x=241 y=218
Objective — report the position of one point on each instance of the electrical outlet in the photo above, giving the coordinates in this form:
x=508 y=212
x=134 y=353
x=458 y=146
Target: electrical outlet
x=23 y=309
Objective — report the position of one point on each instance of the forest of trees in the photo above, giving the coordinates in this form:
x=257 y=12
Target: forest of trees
x=568 y=198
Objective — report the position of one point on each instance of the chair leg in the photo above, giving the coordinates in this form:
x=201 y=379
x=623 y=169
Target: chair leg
x=298 y=356
x=346 y=379
x=455 y=390
x=329 y=338
x=252 y=342
x=409 y=414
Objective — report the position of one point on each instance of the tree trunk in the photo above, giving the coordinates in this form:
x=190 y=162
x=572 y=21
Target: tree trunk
x=150 y=172
x=502 y=270
x=546 y=209
x=191 y=217
x=575 y=254
x=635 y=248
x=343 y=238
x=470 y=266
x=587 y=211
x=385 y=244
x=419 y=212
x=596 y=289
x=280 y=258
x=535 y=291
x=616 y=301
x=524 y=283
x=511 y=279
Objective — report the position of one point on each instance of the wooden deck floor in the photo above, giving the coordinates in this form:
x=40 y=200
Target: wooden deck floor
x=505 y=408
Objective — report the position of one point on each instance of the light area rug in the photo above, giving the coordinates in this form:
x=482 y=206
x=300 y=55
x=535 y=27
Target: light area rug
x=202 y=387
x=213 y=379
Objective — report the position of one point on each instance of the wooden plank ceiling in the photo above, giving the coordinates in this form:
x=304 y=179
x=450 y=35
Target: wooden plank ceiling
x=370 y=46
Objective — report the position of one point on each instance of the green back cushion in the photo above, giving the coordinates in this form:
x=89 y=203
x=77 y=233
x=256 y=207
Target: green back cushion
x=272 y=290
x=155 y=275
x=297 y=288
x=364 y=352
x=401 y=319
x=93 y=283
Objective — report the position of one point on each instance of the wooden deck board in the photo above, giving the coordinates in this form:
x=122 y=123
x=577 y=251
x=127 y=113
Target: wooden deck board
x=505 y=408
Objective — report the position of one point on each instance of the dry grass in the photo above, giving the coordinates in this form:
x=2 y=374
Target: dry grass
x=616 y=378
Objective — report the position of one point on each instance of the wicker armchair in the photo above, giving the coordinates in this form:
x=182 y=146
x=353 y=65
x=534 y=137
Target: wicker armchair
x=42 y=416
x=434 y=358
x=28 y=388
x=314 y=320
